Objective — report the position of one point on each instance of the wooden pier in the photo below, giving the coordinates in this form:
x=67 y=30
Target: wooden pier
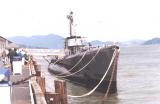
x=25 y=89
x=30 y=87
x=21 y=93
x=59 y=95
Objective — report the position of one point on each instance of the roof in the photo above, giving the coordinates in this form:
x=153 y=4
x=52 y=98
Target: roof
x=6 y=39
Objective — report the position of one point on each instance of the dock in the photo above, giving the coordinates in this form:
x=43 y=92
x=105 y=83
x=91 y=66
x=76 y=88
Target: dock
x=21 y=93
x=29 y=87
x=25 y=89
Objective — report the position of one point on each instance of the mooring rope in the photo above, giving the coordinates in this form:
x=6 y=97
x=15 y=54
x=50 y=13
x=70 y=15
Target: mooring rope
x=82 y=67
x=111 y=79
x=74 y=65
x=90 y=92
x=49 y=62
x=44 y=57
x=56 y=61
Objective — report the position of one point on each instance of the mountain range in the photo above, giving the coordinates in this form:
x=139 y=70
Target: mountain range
x=152 y=41
x=39 y=41
x=57 y=42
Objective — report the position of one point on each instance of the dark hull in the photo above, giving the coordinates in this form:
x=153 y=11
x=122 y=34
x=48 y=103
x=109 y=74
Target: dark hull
x=91 y=75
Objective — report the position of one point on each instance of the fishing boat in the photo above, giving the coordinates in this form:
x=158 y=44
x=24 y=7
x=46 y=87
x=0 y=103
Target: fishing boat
x=89 y=66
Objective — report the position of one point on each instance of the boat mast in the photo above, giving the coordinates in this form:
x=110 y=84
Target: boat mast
x=70 y=17
x=73 y=43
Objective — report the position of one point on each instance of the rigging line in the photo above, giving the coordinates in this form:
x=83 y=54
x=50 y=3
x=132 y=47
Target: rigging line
x=90 y=92
x=74 y=65
x=82 y=67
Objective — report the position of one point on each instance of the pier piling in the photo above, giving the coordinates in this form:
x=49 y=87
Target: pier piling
x=60 y=87
x=41 y=82
x=52 y=98
x=60 y=94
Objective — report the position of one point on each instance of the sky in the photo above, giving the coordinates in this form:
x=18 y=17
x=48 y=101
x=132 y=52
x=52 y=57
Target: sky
x=114 y=20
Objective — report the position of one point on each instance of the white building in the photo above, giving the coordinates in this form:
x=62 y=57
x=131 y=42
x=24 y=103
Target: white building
x=3 y=43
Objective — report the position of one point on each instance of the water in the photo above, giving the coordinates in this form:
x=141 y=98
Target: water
x=138 y=79
x=139 y=75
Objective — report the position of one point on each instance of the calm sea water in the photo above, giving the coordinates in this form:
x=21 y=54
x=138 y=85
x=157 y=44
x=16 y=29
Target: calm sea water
x=138 y=79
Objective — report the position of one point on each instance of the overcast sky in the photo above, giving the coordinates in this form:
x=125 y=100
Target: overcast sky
x=116 y=20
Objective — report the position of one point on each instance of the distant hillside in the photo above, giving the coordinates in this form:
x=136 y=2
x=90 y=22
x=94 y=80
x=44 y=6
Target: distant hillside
x=57 y=42
x=152 y=41
x=40 y=41
x=134 y=42
x=48 y=41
